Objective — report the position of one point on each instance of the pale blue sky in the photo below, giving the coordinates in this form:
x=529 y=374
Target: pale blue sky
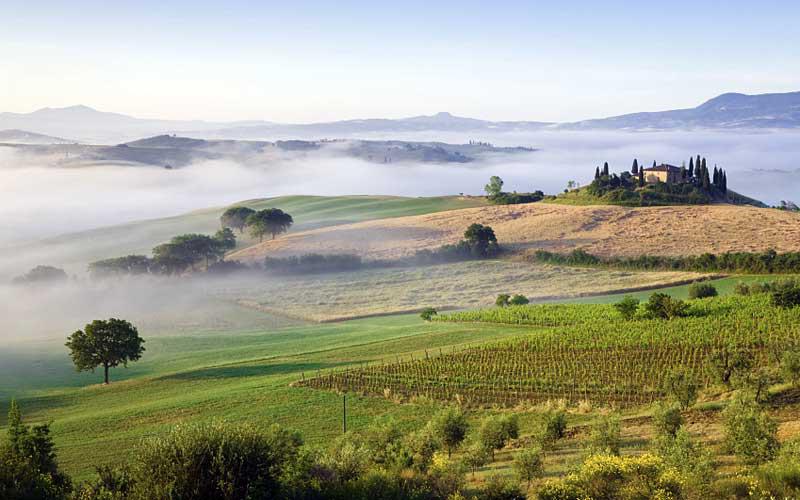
x=317 y=61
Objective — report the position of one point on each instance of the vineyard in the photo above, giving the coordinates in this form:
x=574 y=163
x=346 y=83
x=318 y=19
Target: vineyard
x=577 y=353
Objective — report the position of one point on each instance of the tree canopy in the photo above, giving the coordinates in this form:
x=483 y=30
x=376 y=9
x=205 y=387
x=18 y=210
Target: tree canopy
x=236 y=217
x=272 y=221
x=106 y=343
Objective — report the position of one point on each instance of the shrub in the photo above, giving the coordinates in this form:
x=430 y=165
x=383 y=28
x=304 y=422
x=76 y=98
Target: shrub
x=694 y=463
x=528 y=464
x=496 y=431
x=749 y=432
x=662 y=306
x=618 y=478
x=786 y=294
x=667 y=420
x=702 y=290
x=627 y=307
x=28 y=465
x=518 y=300
x=604 y=437
x=451 y=426
x=502 y=300
x=476 y=455
x=682 y=387
x=790 y=365
x=41 y=275
x=500 y=488
x=555 y=426
x=214 y=461
x=428 y=313
x=741 y=288
x=729 y=361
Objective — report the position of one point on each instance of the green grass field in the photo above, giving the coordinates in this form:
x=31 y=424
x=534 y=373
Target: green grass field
x=239 y=376
x=73 y=251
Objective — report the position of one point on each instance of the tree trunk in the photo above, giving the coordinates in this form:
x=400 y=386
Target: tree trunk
x=105 y=370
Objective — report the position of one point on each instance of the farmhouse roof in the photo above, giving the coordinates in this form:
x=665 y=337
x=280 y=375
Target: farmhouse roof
x=663 y=168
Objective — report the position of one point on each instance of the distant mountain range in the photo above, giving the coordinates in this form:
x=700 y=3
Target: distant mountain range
x=728 y=111
x=81 y=123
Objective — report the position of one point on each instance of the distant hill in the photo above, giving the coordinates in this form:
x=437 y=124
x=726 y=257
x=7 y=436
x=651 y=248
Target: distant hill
x=172 y=151
x=15 y=136
x=728 y=111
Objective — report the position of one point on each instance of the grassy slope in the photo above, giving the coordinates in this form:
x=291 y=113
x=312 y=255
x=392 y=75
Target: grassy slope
x=241 y=377
x=76 y=249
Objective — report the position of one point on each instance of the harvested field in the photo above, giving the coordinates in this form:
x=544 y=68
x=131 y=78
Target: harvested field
x=337 y=296
x=601 y=230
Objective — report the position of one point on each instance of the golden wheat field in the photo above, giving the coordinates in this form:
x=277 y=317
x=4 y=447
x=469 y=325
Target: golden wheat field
x=600 y=230
x=339 y=296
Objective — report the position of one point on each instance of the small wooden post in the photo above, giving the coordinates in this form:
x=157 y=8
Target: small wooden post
x=344 y=413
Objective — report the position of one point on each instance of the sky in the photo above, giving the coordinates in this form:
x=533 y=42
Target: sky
x=310 y=61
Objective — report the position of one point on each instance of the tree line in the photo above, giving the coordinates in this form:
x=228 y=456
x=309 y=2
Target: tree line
x=767 y=262
x=188 y=251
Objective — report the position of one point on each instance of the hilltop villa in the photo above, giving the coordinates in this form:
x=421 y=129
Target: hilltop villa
x=669 y=174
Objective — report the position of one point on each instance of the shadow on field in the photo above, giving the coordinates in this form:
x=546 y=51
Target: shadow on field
x=243 y=371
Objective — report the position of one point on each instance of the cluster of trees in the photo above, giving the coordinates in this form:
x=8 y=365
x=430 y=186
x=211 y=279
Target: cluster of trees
x=479 y=242
x=272 y=221
x=180 y=254
x=496 y=195
x=740 y=262
x=698 y=185
x=658 y=306
x=505 y=300
x=783 y=293
x=47 y=275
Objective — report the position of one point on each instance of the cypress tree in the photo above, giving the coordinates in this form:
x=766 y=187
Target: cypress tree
x=691 y=167
x=716 y=177
x=605 y=168
x=641 y=177
x=635 y=167
x=697 y=162
x=597 y=173
x=654 y=164
x=725 y=182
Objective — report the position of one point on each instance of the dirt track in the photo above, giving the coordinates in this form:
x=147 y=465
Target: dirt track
x=600 y=230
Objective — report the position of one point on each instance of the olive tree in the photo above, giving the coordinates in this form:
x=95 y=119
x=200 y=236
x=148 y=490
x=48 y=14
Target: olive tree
x=107 y=343
x=272 y=221
x=236 y=217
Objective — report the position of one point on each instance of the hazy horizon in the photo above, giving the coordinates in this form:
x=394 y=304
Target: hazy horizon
x=320 y=62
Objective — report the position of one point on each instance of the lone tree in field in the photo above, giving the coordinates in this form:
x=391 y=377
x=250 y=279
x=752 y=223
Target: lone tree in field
x=236 y=217
x=495 y=186
x=272 y=221
x=481 y=240
x=106 y=343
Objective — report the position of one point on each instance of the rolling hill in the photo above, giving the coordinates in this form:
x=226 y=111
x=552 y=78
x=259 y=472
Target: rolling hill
x=600 y=230
x=73 y=251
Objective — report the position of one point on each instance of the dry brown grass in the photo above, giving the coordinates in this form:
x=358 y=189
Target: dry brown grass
x=338 y=296
x=600 y=230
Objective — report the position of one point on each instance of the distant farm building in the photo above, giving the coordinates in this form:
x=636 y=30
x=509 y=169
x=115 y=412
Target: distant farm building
x=669 y=174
